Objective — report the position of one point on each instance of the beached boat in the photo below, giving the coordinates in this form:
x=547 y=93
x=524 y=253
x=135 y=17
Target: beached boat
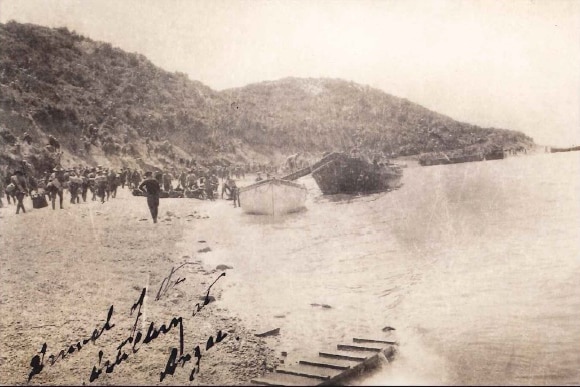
x=461 y=156
x=438 y=158
x=272 y=197
x=495 y=154
x=556 y=150
x=340 y=173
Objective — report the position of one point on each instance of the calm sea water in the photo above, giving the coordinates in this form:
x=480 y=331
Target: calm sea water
x=476 y=265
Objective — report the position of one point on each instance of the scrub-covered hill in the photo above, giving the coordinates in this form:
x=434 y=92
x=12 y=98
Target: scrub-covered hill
x=107 y=106
x=318 y=114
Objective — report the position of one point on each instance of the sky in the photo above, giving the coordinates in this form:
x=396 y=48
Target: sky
x=505 y=64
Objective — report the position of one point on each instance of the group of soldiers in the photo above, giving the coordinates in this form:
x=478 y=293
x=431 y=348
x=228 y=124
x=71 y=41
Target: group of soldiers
x=201 y=183
x=101 y=183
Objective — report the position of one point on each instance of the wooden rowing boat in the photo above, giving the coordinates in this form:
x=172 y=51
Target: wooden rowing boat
x=272 y=197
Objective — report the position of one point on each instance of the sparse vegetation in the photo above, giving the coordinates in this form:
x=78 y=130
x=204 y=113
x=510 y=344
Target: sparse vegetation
x=56 y=82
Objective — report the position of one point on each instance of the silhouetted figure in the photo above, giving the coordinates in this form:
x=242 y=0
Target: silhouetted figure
x=21 y=189
x=152 y=189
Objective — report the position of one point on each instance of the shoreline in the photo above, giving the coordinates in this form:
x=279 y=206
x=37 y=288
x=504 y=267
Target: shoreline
x=64 y=269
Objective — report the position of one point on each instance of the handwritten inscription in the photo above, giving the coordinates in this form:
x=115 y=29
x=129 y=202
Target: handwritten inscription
x=206 y=299
x=131 y=344
x=173 y=362
x=169 y=283
x=135 y=338
x=37 y=362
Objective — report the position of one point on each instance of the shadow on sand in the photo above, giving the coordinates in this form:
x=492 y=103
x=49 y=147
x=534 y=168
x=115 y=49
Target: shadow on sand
x=251 y=218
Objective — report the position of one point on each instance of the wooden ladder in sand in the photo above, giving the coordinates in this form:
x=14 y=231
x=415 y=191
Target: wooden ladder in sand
x=297 y=174
x=333 y=366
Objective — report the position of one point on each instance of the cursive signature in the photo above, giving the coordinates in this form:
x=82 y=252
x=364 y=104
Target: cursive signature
x=206 y=299
x=167 y=284
x=131 y=344
x=136 y=338
x=172 y=363
x=37 y=362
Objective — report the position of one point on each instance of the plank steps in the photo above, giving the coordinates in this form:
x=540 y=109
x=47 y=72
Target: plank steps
x=331 y=366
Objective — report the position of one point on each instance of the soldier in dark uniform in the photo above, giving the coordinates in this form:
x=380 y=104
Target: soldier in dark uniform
x=101 y=183
x=136 y=179
x=55 y=186
x=152 y=189
x=74 y=186
x=167 y=179
x=113 y=183
x=123 y=177
x=21 y=190
x=85 y=184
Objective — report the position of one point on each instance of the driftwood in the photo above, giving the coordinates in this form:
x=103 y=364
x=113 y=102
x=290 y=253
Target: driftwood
x=272 y=332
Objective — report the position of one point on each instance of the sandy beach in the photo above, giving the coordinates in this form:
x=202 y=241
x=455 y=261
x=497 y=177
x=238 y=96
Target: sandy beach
x=71 y=277
x=437 y=146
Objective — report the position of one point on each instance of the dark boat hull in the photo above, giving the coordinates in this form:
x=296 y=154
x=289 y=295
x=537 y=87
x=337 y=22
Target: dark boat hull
x=450 y=160
x=556 y=150
x=459 y=157
x=495 y=155
x=343 y=174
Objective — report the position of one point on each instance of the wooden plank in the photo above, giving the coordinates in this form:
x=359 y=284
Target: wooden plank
x=265 y=381
x=343 y=355
x=356 y=347
x=271 y=332
x=281 y=379
x=376 y=341
x=290 y=371
x=309 y=371
x=336 y=364
x=297 y=174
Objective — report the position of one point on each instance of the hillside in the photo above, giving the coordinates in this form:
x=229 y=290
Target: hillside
x=319 y=114
x=56 y=82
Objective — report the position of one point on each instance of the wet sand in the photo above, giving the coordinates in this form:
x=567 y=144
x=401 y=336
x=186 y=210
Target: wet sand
x=62 y=270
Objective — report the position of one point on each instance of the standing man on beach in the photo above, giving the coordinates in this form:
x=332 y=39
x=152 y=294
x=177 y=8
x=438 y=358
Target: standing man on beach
x=56 y=186
x=123 y=177
x=167 y=179
x=235 y=193
x=74 y=185
x=135 y=179
x=152 y=189
x=101 y=183
x=113 y=183
x=21 y=190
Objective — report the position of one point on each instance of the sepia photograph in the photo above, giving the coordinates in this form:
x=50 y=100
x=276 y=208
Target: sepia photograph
x=288 y=192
